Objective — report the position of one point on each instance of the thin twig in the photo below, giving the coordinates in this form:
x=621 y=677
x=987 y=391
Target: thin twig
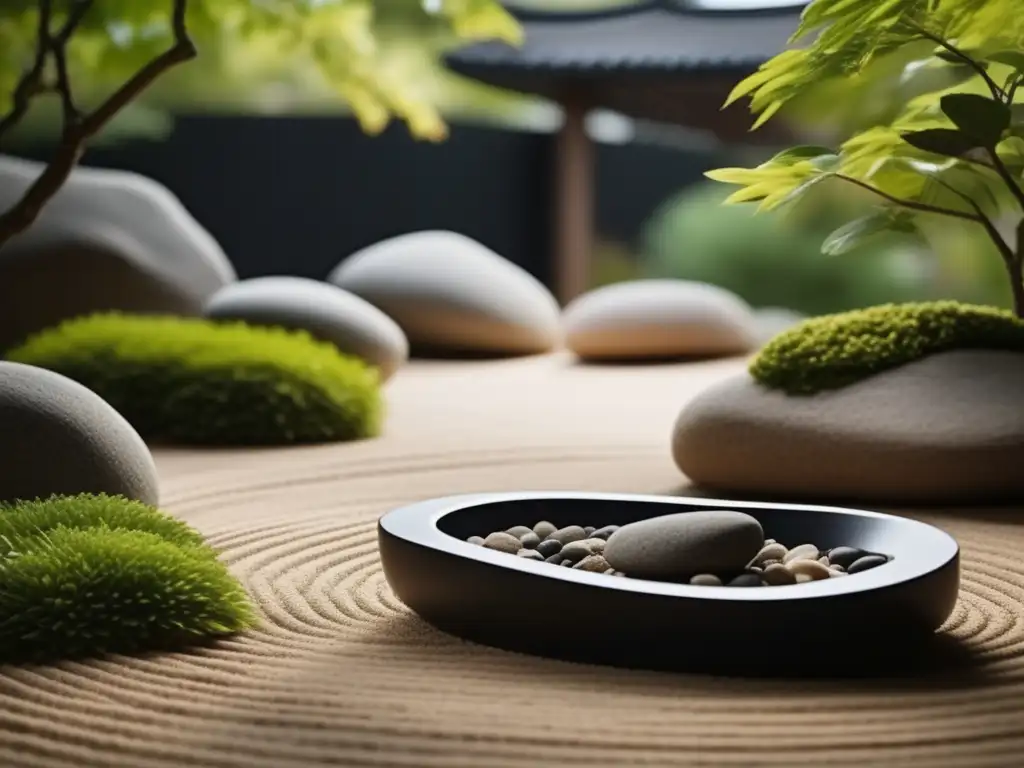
x=32 y=81
x=1000 y=167
x=997 y=92
x=913 y=205
x=48 y=183
x=58 y=45
x=990 y=228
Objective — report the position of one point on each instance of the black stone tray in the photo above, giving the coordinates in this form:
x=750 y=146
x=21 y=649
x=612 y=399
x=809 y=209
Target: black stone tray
x=883 y=616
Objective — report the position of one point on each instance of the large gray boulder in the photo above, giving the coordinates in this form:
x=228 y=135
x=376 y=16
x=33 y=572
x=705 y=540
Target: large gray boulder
x=453 y=295
x=58 y=437
x=109 y=240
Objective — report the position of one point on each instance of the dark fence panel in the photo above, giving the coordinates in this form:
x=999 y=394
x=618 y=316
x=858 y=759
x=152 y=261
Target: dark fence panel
x=295 y=195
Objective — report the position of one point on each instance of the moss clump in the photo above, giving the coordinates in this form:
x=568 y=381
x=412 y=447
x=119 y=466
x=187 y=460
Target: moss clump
x=74 y=585
x=92 y=511
x=838 y=350
x=208 y=383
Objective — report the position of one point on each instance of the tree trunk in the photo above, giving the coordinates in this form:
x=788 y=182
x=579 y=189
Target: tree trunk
x=1015 y=267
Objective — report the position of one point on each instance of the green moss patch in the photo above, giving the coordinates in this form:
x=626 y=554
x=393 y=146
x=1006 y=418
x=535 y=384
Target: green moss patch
x=201 y=382
x=835 y=351
x=75 y=584
x=92 y=511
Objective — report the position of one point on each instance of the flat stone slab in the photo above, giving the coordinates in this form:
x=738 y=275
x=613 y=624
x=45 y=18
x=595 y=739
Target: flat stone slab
x=945 y=429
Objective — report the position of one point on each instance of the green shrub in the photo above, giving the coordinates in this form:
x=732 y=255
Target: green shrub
x=84 y=576
x=771 y=260
x=203 y=382
x=92 y=511
x=837 y=350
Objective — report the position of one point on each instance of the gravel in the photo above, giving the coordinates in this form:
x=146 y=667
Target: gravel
x=775 y=565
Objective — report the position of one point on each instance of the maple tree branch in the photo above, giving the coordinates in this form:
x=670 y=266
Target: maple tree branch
x=913 y=205
x=31 y=82
x=1004 y=173
x=79 y=130
x=997 y=92
x=58 y=45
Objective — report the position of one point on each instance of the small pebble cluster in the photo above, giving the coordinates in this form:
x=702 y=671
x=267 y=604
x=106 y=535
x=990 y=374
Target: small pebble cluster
x=583 y=548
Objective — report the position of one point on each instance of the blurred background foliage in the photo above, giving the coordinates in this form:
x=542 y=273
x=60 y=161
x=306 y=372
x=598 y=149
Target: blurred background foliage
x=342 y=56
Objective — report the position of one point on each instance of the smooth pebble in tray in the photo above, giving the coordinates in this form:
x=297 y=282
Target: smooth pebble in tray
x=568 y=534
x=777 y=575
x=604 y=533
x=684 y=544
x=866 y=563
x=592 y=564
x=530 y=540
x=503 y=542
x=576 y=550
x=803 y=552
x=478 y=540
x=747 y=580
x=706 y=580
x=519 y=531
x=544 y=529
x=530 y=554
x=549 y=547
x=845 y=556
x=769 y=552
x=810 y=568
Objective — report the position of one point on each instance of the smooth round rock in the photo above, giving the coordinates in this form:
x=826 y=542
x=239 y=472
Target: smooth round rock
x=326 y=312
x=811 y=568
x=478 y=540
x=530 y=554
x=555 y=559
x=567 y=563
x=568 y=534
x=684 y=544
x=769 y=552
x=604 y=533
x=867 y=563
x=544 y=529
x=503 y=542
x=62 y=438
x=706 y=580
x=845 y=556
x=592 y=564
x=530 y=540
x=549 y=547
x=777 y=575
x=519 y=531
x=802 y=552
x=451 y=294
x=596 y=545
x=108 y=240
x=658 y=319
x=576 y=551
x=903 y=436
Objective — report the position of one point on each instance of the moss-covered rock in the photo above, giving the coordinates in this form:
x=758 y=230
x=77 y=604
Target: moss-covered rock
x=203 y=382
x=834 y=351
x=84 y=576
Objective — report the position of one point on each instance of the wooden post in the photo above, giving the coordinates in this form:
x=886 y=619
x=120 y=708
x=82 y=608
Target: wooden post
x=574 y=200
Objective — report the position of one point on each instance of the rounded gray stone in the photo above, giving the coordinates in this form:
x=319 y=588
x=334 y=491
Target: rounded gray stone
x=685 y=544
x=451 y=294
x=108 y=240
x=650 y=319
x=62 y=438
x=326 y=312
x=568 y=535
